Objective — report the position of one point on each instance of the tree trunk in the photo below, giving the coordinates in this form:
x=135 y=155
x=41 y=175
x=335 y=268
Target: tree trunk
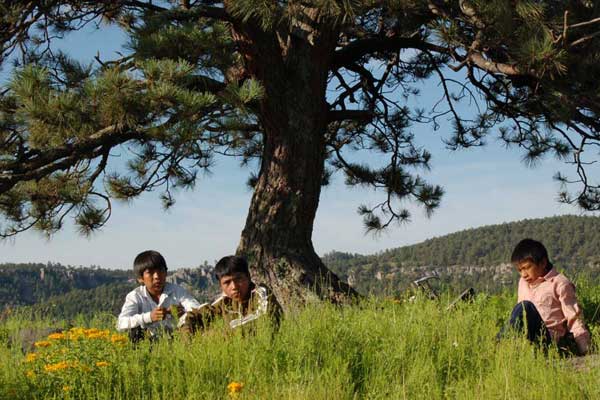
x=277 y=238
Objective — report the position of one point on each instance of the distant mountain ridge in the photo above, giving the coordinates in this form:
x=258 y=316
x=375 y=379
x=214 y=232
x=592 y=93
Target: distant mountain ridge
x=474 y=257
x=26 y=284
x=64 y=291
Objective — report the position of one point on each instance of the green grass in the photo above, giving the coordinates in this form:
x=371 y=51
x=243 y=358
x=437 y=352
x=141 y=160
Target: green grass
x=375 y=350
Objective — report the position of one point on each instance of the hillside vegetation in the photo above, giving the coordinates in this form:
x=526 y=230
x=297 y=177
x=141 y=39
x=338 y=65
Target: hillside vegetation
x=26 y=284
x=379 y=348
x=472 y=258
x=475 y=257
x=63 y=292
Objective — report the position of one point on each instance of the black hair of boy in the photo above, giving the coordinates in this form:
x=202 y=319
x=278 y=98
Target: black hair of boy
x=230 y=265
x=148 y=259
x=529 y=249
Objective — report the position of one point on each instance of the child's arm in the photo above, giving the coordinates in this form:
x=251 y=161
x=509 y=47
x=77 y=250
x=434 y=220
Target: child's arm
x=197 y=319
x=572 y=312
x=188 y=301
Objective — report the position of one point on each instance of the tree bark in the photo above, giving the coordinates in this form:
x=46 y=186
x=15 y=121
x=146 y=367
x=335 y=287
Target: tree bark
x=277 y=238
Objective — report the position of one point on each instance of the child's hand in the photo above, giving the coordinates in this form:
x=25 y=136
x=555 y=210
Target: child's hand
x=158 y=314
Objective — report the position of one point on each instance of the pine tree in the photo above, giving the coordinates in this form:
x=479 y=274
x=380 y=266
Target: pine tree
x=248 y=78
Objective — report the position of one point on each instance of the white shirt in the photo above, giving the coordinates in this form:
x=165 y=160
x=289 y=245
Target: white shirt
x=139 y=305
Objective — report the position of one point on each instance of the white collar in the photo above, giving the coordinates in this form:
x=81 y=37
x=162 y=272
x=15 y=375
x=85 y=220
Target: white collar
x=163 y=296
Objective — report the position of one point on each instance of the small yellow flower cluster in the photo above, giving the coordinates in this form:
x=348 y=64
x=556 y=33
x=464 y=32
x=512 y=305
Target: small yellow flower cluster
x=91 y=333
x=94 y=333
x=118 y=339
x=56 y=336
x=75 y=333
x=235 y=387
x=53 y=363
x=59 y=366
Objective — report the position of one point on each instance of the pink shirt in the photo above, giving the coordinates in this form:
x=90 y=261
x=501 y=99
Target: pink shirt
x=554 y=297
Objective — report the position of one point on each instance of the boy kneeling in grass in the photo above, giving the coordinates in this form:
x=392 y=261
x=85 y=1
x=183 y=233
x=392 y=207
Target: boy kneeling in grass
x=240 y=303
x=547 y=304
x=148 y=308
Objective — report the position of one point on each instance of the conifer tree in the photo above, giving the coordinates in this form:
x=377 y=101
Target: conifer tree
x=292 y=86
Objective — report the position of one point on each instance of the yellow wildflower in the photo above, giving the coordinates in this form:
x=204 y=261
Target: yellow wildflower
x=96 y=334
x=42 y=343
x=30 y=357
x=102 y=364
x=118 y=339
x=235 y=387
x=76 y=333
x=56 y=367
x=66 y=388
x=30 y=374
x=56 y=336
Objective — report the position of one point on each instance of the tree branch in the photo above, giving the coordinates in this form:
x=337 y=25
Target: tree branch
x=363 y=47
x=355 y=115
x=39 y=165
x=481 y=62
x=204 y=83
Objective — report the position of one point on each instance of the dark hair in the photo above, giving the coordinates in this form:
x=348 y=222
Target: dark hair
x=148 y=259
x=529 y=249
x=229 y=265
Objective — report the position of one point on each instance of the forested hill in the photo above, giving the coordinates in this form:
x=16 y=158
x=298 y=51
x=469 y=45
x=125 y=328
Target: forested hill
x=25 y=284
x=475 y=256
x=65 y=291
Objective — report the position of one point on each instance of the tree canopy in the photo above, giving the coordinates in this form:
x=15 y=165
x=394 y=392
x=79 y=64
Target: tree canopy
x=293 y=86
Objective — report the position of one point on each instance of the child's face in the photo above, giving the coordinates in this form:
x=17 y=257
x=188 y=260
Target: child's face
x=154 y=280
x=236 y=286
x=530 y=271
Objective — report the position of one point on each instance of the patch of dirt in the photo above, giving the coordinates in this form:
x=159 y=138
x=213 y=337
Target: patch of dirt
x=586 y=363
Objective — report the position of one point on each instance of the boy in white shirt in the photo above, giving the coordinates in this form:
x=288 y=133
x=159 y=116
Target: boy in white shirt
x=147 y=309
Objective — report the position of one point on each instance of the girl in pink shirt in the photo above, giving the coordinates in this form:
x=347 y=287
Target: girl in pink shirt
x=547 y=303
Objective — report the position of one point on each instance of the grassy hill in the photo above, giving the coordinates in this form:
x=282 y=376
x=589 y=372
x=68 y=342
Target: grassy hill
x=377 y=349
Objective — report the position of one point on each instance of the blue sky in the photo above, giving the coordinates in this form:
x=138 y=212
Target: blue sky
x=483 y=186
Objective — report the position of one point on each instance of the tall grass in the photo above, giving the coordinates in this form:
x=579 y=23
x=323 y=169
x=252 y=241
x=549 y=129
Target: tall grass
x=375 y=350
